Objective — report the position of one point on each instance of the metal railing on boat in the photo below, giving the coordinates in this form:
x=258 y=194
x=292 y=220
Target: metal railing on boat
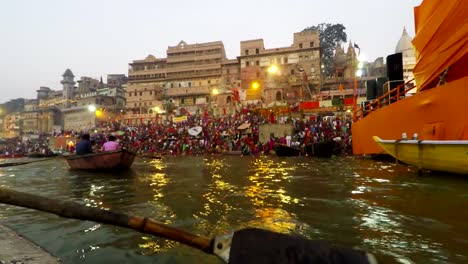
x=392 y=96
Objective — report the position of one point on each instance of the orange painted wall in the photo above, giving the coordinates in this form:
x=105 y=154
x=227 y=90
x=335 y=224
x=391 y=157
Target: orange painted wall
x=438 y=113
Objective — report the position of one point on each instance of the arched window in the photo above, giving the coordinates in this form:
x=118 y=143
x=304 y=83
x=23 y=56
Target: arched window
x=228 y=100
x=278 y=96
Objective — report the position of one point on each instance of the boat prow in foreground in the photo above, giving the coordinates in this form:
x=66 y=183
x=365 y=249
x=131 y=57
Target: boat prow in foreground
x=120 y=159
x=437 y=155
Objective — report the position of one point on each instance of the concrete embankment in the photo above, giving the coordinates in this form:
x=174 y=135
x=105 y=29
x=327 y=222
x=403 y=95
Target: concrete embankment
x=16 y=249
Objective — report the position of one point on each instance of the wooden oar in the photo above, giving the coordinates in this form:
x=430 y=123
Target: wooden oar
x=248 y=245
x=10 y=164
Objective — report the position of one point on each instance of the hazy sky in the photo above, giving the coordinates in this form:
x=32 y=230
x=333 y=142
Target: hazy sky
x=41 y=39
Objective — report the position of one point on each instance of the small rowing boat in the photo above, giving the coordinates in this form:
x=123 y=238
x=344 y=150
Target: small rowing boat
x=119 y=159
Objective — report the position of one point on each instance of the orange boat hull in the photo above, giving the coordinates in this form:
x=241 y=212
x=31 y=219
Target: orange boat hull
x=435 y=114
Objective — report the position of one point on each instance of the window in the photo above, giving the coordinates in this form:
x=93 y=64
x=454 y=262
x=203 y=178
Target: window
x=135 y=104
x=129 y=94
x=311 y=44
x=182 y=101
x=257 y=63
x=258 y=74
x=209 y=81
x=180 y=85
x=247 y=64
x=292 y=72
x=227 y=71
x=246 y=52
x=256 y=51
x=190 y=84
x=151 y=92
x=172 y=85
x=285 y=60
x=150 y=103
x=144 y=104
x=141 y=93
x=135 y=93
x=300 y=45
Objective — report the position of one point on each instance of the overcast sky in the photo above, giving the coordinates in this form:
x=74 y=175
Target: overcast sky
x=41 y=39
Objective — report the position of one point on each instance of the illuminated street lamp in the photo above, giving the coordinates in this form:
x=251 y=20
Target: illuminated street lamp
x=215 y=91
x=273 y=69
x=92 y=108
x=255 y=85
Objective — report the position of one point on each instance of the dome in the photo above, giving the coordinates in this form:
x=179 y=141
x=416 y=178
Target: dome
x=69 y=73
x=150 y=57
x=404 y=43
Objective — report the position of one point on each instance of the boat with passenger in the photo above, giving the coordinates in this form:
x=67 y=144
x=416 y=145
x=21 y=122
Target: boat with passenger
x=107 y=160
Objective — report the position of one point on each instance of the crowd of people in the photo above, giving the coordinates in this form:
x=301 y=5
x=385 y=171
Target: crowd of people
x=17 y=146
x=204 y=134
x=199 y=134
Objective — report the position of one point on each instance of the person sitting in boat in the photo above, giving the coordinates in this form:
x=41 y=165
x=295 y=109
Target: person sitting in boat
x=84 y=146
x=110 y=145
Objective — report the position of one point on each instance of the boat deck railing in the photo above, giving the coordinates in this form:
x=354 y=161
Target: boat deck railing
x=392 y=96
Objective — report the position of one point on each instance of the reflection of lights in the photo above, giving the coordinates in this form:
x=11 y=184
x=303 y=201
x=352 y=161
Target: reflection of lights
x=360 y=65
x=348 y=111
x=215 y=91
x=358 y=73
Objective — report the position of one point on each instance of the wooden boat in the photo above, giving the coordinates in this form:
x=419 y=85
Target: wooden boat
x=321 y=149
x=102 y=160
x=41 y=155
x=11 y=156
x=437 y=155
x=286 y=151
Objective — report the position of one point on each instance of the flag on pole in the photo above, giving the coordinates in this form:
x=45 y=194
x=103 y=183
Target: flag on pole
x=340 y=87
x=357 y=47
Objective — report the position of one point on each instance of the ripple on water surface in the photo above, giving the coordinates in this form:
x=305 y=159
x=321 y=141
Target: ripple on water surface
x=383 y=207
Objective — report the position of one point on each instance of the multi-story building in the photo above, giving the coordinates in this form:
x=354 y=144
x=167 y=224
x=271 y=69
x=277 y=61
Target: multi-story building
x=146 y=83
x=29 y=116
x=116 y=80
x=280 y=74
x=183 y=80
x=88 y=84
x=11 y=125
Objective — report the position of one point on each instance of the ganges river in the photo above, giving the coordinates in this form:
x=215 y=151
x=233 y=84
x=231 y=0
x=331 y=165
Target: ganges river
x=383 y=207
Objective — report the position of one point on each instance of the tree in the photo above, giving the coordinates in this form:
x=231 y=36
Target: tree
x=329 y=35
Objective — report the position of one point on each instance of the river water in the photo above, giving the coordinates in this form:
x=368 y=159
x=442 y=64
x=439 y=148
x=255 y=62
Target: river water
x=385 y=208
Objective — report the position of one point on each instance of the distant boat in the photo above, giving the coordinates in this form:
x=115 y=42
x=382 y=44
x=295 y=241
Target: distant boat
x=286 y=151
x=120 y=159
x=437 y=155
x=323 y=149
x=41 y=155
x=11 y=156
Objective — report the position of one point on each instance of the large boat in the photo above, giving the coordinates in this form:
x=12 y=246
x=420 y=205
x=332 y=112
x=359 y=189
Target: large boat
x=437 y=110
x=437 y=155
x=120 y=159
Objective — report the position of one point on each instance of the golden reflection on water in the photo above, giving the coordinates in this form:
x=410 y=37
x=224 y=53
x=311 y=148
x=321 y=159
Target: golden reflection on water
x=268 y=195
x=158 y=180
x=214 y=197
x=94 y=197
